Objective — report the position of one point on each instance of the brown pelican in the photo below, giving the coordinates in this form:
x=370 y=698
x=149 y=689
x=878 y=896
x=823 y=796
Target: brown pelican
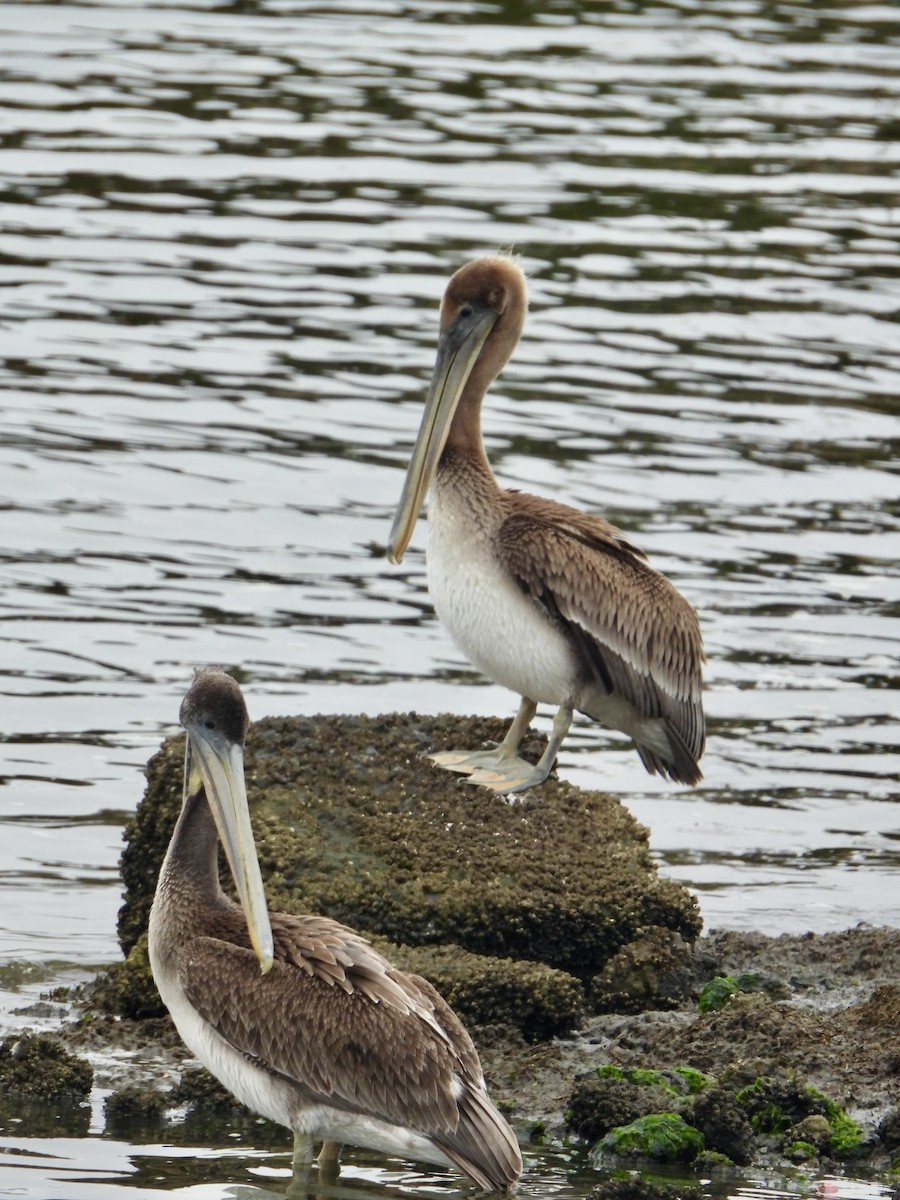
x=297 y=1015
x=553 y=603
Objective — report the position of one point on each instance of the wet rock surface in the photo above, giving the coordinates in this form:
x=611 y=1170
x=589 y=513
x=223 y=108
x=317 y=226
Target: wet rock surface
x=44 y=1085
x=806 y=1071
x=526 y=898
x=544 y=922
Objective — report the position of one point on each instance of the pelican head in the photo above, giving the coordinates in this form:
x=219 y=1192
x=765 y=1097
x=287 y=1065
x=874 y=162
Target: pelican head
x=482 y=314
x=216 y=720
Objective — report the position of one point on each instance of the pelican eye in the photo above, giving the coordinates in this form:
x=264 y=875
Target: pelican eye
x=466 y=310
x=209 y=723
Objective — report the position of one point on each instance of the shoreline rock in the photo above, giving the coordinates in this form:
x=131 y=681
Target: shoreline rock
x=544 y=922
x=531 y=897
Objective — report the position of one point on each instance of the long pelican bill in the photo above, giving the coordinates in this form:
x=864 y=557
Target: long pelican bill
x=221 y=766
x=458 y=348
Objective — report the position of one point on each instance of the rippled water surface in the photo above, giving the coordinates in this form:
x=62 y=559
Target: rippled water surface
x=225 y=231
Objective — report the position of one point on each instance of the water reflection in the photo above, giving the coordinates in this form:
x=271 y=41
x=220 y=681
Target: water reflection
x=111 y=1169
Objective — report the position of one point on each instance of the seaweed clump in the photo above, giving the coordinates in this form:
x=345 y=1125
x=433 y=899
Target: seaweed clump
x=793 y=1112
x=661 y=1137
x=781 y=1113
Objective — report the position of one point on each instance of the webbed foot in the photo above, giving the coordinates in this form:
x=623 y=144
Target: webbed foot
x=502 y=769
x=465 y=762
x=511 y=775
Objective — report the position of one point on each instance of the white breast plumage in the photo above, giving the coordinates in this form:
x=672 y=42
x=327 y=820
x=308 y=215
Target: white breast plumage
x=504 y=633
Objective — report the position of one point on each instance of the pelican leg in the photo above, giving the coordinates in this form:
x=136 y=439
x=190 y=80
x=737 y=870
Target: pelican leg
x=465 y=762
x=514 y=774
x=301 y=1163
x=329 y=1161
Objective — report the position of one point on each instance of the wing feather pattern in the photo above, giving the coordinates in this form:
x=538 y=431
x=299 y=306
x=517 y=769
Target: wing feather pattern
x=634 y=632
x=351 y=1032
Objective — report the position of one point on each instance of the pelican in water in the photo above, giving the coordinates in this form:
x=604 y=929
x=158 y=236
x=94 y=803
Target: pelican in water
x=552 y=603
x=299 y=1016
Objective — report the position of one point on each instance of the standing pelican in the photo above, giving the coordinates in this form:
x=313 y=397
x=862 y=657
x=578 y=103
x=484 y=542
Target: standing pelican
x=297 y=1015
x=548 y=601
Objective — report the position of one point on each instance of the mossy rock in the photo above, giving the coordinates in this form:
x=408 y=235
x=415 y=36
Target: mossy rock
x=774 y=1104
x=889 y=1130
x=613 y=1096
x=654 y=971
x=133 y=1108
x=127 y=989
x=814 y=1129
x=199 y=1091
x=725 y=1126
x=37 y=1067
x=353 y=822
x=662 y=1137
x=695 y=1081
x=716 y=992
x=601 y=1103
x=540 y=1001
x=638 y=1187
x=800 y=1152
x=712 y=1162
x=675 y=1081
x=846 y=1138
x=778 y=1107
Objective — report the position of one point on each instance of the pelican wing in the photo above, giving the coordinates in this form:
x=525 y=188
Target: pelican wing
x=338 y=1021
x=633 y=630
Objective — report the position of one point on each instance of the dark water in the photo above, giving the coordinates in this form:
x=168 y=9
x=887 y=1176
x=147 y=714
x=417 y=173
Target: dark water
x=225 y=230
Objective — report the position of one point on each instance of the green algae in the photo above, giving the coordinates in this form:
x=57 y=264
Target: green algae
x=846 y=1138
x=608 y=1071
x=601 y=1102
x=696 y=1080
x=713 y=1160
x=776 y=1106
x=663 y=1137
x=647 y=1076
x=800 y=1151
x=686 y=1079
x=717 y=992
x=612 y=1096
